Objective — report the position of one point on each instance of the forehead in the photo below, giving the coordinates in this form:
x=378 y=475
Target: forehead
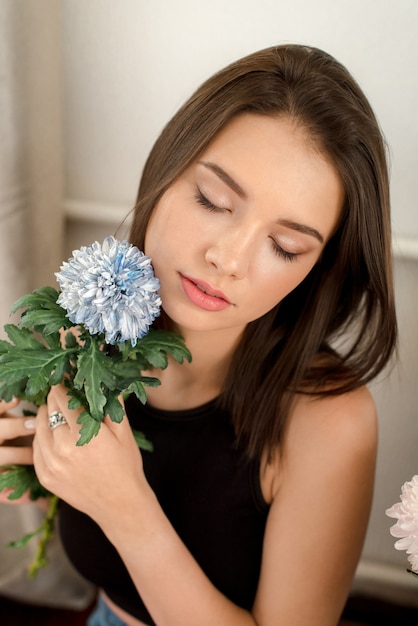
x=260 y=129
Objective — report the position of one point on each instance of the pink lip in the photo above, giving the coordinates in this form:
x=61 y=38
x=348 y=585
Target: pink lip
x=203 y=295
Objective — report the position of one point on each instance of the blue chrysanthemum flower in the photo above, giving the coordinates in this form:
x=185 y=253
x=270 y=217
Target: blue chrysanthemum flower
x=110 y=288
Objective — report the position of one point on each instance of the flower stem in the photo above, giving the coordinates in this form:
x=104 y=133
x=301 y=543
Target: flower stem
x=46 y=531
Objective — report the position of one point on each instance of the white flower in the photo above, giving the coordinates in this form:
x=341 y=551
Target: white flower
x=406 y=528
x=110 y=288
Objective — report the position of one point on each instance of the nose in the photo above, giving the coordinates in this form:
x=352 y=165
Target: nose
x=230 y=254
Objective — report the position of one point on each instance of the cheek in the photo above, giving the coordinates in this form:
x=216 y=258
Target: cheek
x=171 y=225
x=273 y=287
x=159 y=235
x=166 y=243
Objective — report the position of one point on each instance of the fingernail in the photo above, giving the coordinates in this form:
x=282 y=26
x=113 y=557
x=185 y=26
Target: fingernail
x=30 y=424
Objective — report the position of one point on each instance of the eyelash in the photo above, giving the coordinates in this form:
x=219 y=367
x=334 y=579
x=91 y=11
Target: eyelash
x=207 y=204
x=284 y=254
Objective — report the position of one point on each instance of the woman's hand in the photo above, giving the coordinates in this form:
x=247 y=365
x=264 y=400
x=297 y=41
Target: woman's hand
x=99 y=478
x=14 y=432
x=15 y=442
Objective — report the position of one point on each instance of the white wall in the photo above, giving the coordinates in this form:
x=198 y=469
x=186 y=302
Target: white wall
x=128 y=65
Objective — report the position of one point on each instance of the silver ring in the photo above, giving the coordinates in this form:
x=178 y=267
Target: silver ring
x=56 y=419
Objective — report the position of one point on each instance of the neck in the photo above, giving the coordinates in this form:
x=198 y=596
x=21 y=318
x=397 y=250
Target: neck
x=189 y=385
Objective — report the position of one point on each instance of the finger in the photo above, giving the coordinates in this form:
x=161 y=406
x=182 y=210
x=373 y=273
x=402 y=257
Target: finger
x=59 y=420
x=43 y=432
x=44 y=422
x=43 y=439
x=58 y=401
x=8 y=406
x=13 y=427
x=15 y=455
x=119 y=430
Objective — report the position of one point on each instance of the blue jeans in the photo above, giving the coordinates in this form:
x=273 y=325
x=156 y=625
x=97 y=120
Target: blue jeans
x=103 y=616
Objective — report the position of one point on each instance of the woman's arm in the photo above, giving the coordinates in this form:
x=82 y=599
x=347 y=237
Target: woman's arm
x=314 y=533
x=318 y=519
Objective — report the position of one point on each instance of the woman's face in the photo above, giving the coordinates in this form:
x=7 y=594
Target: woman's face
x=244 y=225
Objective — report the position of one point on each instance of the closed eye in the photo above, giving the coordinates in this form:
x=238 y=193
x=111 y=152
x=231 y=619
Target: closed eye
x=282 y=253
x=205 y=202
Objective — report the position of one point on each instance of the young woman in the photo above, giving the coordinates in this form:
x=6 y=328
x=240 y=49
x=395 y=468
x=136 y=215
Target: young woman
x=264 y=206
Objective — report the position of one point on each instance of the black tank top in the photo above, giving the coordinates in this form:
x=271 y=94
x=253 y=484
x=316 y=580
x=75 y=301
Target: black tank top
x=210 y=492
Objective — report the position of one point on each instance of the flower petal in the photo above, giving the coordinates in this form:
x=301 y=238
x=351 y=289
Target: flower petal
x=110 y=288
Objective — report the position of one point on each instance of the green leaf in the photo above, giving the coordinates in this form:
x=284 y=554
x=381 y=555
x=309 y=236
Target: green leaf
x=22 y=338
x=89 y=428
x=8 y=391
x=23 y=541
x=142 y=442
x=156 y=358
x=138 y=387
x=4 y=346
x=124 y=370
x=157 y=344
x=42 y=313
x=113 y=408
x=94 y=372
x=130 y=355
x=35 y=366
x=21 y=479
x=71 y=340
x=125 y=349
x=62 y=367
x=150 y=381
x=40 y=298
x=45 y=321
x=17 y=390
x=179 y=353
x=38 y=398
x=77 y=398
x=53 y=340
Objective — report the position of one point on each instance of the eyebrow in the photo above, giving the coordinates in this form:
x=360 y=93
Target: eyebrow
x=302 y=228
x=228 y=180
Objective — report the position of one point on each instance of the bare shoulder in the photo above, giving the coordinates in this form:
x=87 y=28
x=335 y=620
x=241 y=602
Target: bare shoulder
x=333 y=433
x=333 y=425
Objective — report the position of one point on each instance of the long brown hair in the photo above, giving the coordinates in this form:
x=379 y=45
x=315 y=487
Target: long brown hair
x=347 y=299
